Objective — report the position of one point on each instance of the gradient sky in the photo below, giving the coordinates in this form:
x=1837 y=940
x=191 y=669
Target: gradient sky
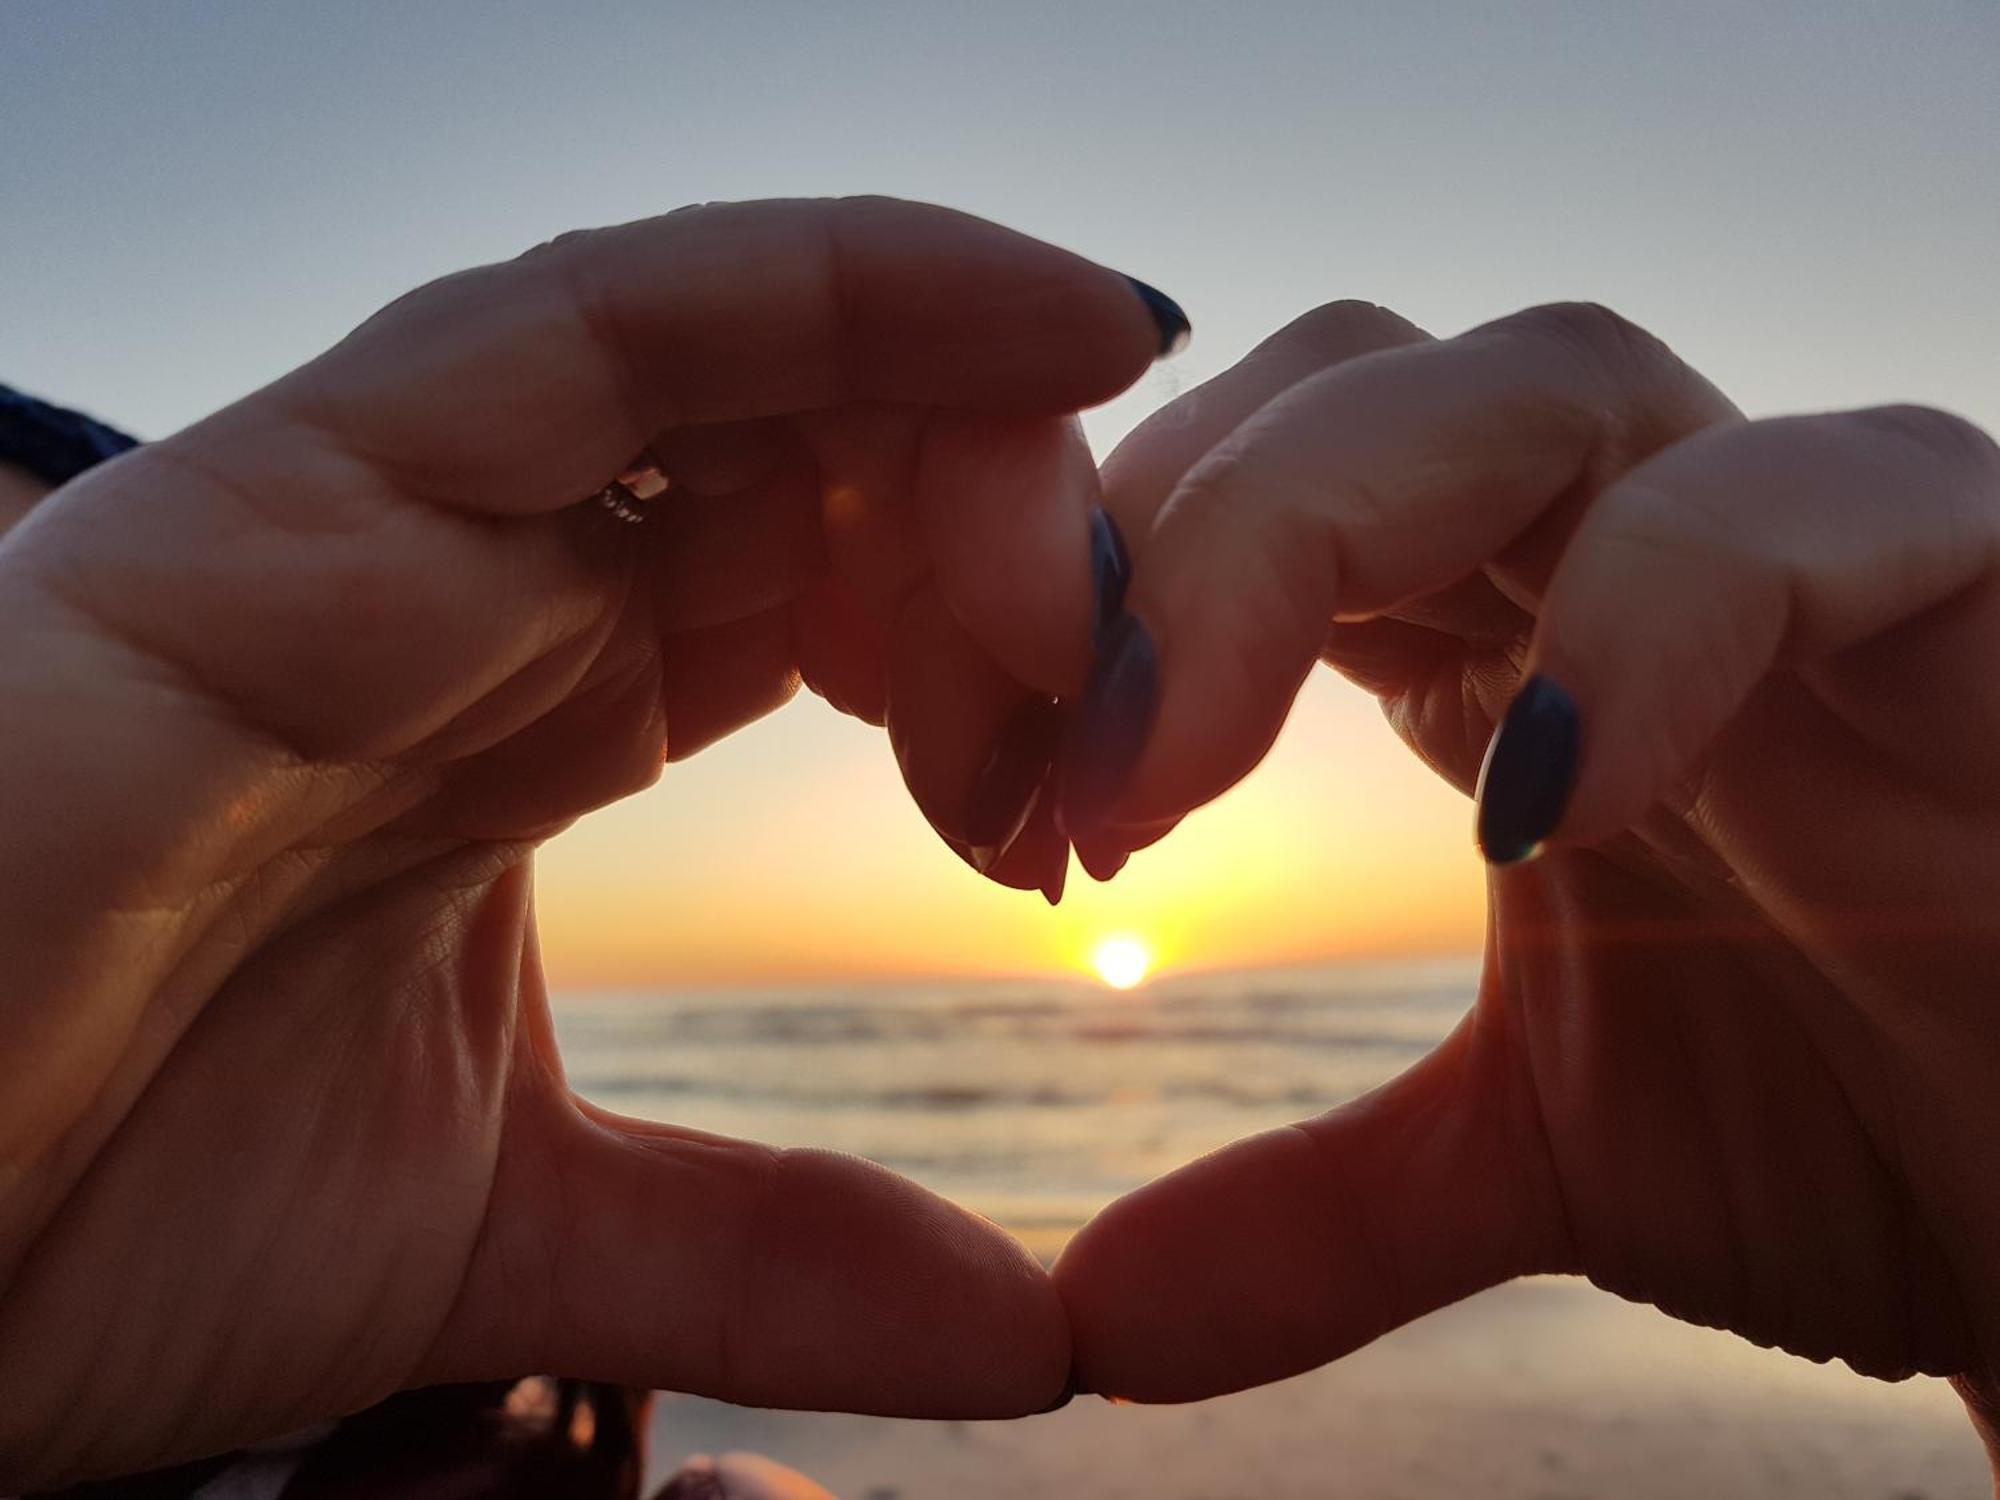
x=1803 y=198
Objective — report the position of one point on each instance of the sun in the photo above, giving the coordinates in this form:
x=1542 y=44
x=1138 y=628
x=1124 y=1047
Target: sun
x=1121 y=960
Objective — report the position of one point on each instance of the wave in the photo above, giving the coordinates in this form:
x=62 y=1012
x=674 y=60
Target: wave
x=950 y=1098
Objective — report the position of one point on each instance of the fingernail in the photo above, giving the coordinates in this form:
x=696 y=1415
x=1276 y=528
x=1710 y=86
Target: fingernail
x=1175 y=330
x=1529 y=773
x=1052 y=883
x=1110 y=570
x=1004 y=791
x=1107 y=730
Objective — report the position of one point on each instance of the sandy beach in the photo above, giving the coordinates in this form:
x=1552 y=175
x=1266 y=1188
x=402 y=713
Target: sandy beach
x=1544 y=1390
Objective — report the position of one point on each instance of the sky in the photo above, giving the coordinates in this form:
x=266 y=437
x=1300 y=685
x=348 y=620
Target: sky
x=1803 y=198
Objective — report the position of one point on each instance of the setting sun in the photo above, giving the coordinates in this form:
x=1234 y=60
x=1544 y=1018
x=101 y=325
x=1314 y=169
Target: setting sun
x=1121 y=961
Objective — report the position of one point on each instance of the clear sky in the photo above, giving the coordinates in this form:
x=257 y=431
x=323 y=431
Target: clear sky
x=1804 y=198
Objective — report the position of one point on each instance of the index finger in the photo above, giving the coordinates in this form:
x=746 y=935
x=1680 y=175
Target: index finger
x=1368 y=485
x=520 y=387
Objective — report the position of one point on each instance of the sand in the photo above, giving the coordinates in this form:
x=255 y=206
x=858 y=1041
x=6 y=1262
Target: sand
x=1545 y=1389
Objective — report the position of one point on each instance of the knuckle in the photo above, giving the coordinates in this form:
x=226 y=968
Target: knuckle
x=864 y=204
x=431 y=302
x=1207 y=492
x=1349 y=326
x=1588 y=330
x=562 y=244
x=1960 y=443
x=1289 y=566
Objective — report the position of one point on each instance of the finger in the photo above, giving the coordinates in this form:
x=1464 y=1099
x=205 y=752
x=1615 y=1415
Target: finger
x=713 y=559
x=1292 y=1248
x=20 y=492
x=1005 y=505
x=1371 y=484
x=1038 y=858
x=723 y=458
x=1144 y=469
x=1152 y=459
x=843 y=651
x=974 y=746
x=1781 y=542
x=522 y=386
x=737 y=531
x=993 y=509
x=715 y=681
x=637 y=1253
x=642 y=703
x=970 y=535
x=867 y=457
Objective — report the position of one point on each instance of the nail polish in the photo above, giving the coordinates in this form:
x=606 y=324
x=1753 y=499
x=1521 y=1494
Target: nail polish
x=1530 y=771
x=1110 y=571
x=1175 y=330
x=1108 y=728
x=1003 y=793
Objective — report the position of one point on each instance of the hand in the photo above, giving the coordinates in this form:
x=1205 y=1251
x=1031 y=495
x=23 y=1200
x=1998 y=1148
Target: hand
x=1734 y=1052
x=293 y=694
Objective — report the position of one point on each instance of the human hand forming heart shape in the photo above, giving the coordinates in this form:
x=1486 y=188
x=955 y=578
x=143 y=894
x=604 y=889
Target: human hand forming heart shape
x=294 y=693
x=1734 y=1050
x=285 y=1130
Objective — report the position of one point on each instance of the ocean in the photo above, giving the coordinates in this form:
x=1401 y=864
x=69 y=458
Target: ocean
x=1032 y=1101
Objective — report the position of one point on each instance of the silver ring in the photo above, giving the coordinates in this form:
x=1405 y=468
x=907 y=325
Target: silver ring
x=627 y=495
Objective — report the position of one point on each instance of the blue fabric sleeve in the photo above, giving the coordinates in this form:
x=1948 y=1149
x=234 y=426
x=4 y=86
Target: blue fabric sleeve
x=54 y=443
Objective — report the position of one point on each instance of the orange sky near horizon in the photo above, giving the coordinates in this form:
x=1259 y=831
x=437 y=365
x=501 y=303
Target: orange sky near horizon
x=1341 y=845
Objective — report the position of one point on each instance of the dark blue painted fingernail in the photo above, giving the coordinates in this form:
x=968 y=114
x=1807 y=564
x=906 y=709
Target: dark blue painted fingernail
x=1110 y=571
x=1530 y=771
x=1108 y=727
x=1175 y=330
x=1003 y=794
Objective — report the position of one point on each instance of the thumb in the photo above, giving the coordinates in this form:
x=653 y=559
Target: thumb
x=644 y=1254
x=1292 y=1248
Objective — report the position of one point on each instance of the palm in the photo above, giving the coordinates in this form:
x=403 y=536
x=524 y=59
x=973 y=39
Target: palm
x=290 y=1194
x=320 y=672
x=1729 y=1133
x=280 y=1228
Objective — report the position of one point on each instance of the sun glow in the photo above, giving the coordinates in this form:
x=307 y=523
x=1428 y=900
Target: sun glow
x=1121 y=960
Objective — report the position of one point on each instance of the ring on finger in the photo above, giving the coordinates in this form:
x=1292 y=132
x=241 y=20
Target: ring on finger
x=626 y=497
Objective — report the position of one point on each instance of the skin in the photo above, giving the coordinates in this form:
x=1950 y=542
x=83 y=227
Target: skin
x=1733 y=1051
x=296 y=692
x=18 y=492
x=308 y=681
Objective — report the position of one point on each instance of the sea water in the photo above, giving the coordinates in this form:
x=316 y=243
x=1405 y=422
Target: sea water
x=1032 y=1101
